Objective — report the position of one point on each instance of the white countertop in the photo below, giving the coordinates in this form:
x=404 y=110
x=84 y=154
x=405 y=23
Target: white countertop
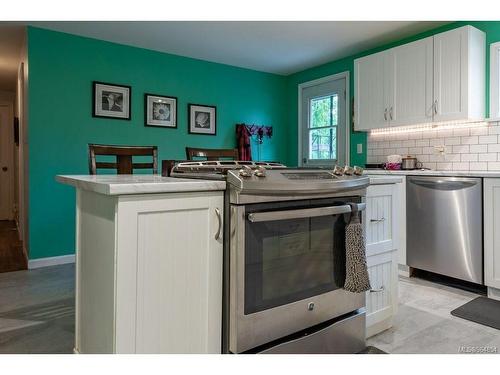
x=138 y=184
x=419 y=172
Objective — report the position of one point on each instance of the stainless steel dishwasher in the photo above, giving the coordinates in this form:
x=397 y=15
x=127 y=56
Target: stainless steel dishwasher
x=445 y=226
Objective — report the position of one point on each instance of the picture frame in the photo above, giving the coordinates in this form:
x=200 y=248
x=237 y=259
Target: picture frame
x=202 y=119
x=111 y=100
x=160 y=111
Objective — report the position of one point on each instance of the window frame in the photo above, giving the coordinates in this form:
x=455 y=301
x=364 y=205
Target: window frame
x=343 y=75
x=495 y=81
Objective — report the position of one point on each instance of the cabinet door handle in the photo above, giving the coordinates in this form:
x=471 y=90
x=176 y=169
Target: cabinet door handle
x=219 y=220
x=385 y=114
x=390 y=113
x=381 y=289
x=435 y=107
x=377 y=220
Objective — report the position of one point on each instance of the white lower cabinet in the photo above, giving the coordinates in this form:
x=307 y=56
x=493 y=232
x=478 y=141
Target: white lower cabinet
x=491 y=212
x=149 y=273
x=382 y=226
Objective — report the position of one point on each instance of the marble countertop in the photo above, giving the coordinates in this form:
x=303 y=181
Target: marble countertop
x=420 y=172
x=138 y=184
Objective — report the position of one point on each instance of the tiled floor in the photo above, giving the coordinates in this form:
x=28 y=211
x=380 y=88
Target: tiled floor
x=424 y=324
x=37 y=316
x=37 y=310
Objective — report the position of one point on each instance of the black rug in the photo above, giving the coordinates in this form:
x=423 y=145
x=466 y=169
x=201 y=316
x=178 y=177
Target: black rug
x=481 y=310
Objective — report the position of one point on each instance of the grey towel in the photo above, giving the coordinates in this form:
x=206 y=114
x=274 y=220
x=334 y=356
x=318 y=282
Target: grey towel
x=357 y=279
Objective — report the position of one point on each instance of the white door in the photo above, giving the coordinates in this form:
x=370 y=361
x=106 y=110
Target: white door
x=491 y=188
x=169 y=274
x=323 y=123
x=370 y=96
x=6 y=163
x=450 y=75
x=411 y=83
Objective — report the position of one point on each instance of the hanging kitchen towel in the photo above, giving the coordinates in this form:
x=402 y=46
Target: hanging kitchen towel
x=357 y=279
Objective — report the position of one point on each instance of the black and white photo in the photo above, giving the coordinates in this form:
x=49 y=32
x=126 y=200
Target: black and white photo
x=202 y=119
x=160 y=111
x=111 y=100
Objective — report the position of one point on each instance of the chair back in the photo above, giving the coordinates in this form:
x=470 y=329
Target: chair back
x=124 y=163
x=211 y=154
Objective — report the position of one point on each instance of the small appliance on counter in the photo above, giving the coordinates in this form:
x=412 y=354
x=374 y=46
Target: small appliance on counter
x=409 y=162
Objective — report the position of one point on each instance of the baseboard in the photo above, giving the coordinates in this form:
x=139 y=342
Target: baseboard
x=51 y=261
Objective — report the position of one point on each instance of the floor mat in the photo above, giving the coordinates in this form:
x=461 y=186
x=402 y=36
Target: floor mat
x=481 y=310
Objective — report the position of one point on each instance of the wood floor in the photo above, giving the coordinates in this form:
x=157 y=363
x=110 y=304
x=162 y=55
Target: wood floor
x=12 y=257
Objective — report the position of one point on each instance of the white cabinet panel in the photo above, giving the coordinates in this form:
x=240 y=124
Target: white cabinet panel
x=381 y=300
x=491 y=213
x=382 y=223
x=169 y=245
x=411 y=83
x=380 y=211
x=370 y=101
x=459 y=74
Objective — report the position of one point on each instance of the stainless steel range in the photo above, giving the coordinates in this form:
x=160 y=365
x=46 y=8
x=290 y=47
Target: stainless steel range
x=285 y=257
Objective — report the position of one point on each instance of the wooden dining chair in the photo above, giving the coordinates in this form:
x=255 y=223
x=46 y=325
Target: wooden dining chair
x=124 y=163
x=212 y=153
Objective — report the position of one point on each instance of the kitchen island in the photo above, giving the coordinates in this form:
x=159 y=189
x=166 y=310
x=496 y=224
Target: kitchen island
x=148 y=264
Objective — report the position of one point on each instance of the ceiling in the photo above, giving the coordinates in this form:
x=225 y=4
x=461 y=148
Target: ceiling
x=11 y=43
x=279 y=47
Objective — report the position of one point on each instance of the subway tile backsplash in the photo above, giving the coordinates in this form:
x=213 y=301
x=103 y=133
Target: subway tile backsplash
x=474 y=148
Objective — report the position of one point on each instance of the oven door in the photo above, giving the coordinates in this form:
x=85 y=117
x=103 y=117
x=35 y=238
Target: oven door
x=287 y=269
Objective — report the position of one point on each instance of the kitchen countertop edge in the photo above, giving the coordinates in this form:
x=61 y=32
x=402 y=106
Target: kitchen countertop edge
x=139 y=184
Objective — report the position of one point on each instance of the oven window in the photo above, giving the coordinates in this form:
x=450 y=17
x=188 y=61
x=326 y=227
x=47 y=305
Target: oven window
x=290 y=260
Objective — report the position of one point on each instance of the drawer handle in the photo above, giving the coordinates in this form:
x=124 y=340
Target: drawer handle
x=219 y=220
x=381 y=289
x=377 y=220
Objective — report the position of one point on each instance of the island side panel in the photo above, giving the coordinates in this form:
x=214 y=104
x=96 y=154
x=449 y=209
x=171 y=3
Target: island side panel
x=95 y=273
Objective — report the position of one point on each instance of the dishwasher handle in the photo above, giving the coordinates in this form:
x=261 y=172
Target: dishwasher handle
x=446 y=183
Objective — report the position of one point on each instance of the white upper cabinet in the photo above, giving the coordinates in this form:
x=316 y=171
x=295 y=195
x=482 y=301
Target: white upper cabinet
x=459 y=74
x=411 y=83
x=370 y=85
x=439 y=78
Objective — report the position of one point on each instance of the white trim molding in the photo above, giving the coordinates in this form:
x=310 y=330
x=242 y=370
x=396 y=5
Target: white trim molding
x=51 y=261
x=318 y=81
x=494 y=81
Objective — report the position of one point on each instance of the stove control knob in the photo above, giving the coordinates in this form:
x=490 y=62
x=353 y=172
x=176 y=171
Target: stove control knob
x=338 y=171
x=246 y=171
x=358 y=171
x=260 y=171
x=348 y=171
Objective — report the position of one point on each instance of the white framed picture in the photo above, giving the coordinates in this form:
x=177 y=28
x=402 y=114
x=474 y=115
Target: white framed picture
x=160 y=111
x=111 y=101
x=202 y=119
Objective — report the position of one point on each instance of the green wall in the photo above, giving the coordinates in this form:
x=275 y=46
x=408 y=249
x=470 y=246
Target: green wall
x=61 y=70
x=491 y=28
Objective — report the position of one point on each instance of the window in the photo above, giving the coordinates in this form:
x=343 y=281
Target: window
x=323 y=127
x=322 y=122
x=495 y=80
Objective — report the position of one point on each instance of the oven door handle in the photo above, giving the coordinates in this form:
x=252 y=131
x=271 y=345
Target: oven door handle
x=257 y=217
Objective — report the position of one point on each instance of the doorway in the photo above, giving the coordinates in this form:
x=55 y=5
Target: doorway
x=12 y=257
x=323 y=122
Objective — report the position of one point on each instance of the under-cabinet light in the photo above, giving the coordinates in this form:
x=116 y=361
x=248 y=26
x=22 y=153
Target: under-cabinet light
x=429 y=126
